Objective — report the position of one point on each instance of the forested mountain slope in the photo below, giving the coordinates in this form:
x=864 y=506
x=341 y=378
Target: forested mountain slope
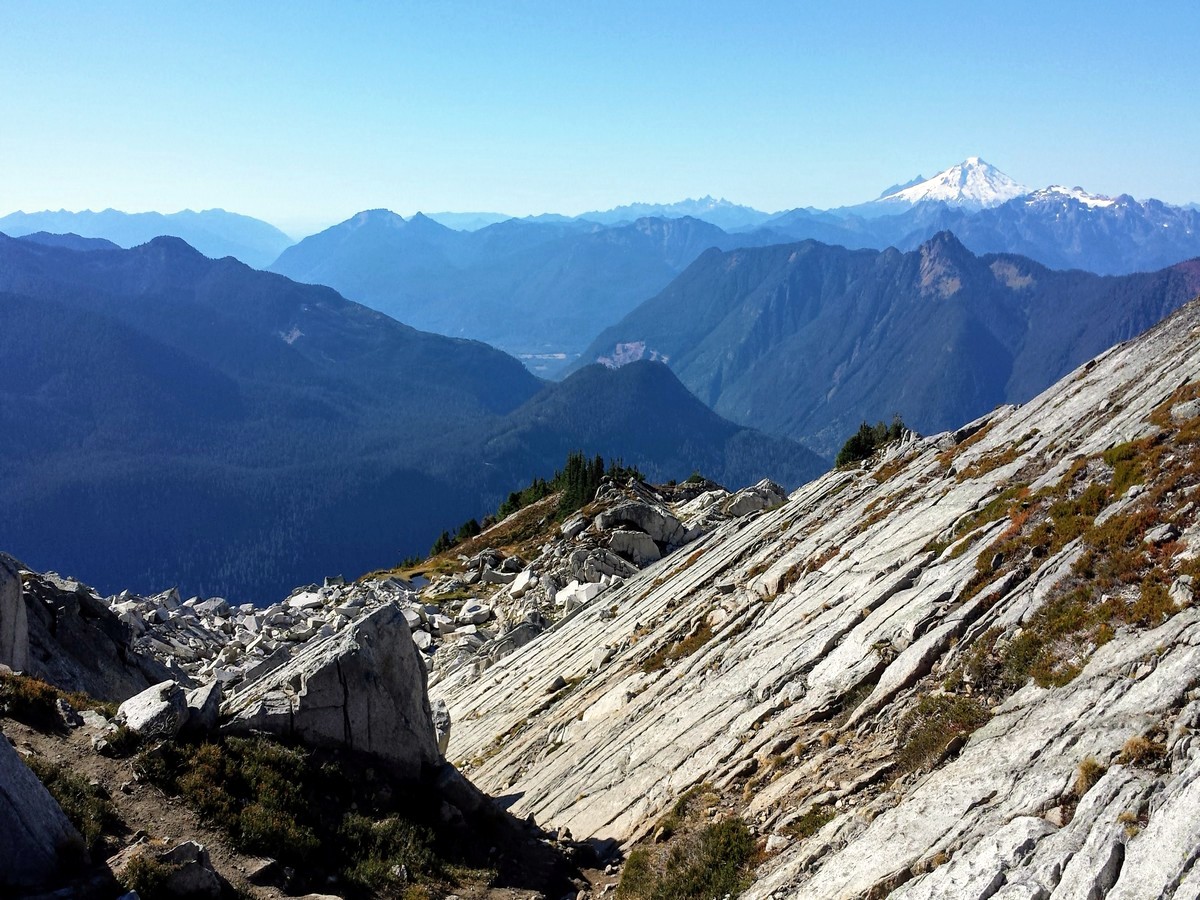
x=176 y=419
x=807 y=339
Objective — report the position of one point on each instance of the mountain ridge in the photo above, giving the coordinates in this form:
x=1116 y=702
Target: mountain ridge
x=195 y=421
x=808 y=339
x=215 y=232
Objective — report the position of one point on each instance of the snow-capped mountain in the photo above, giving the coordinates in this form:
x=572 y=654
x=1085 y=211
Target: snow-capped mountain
x=972 y=184
x=1057 y=194
x=1061 y=227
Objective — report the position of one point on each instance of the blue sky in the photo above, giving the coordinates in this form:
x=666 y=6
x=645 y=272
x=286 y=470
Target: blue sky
x=303 y=113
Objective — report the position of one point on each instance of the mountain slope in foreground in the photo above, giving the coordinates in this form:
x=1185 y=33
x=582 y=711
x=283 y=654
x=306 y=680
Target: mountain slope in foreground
x=967 y=669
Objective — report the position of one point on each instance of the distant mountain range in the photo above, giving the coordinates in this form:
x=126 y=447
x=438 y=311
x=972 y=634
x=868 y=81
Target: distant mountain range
x=468 y=221
x=807 y=340
x=528 y=287
x=725 y=215
x=214 y=232
x=177 y=419
x=543 y=287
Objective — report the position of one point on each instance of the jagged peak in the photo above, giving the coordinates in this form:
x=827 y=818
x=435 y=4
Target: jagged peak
x=1057 y=193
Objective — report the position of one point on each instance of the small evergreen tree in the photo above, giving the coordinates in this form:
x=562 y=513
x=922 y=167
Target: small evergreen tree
x=442 y=544
x=869 y=438
x=466 y=531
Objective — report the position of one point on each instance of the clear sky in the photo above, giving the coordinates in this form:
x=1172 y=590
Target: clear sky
x=303 y=113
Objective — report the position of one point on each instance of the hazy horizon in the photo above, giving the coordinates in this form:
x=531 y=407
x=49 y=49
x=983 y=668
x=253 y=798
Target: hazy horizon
x=304 y=119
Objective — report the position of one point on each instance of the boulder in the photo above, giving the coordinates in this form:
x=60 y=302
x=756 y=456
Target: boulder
x=159 y=711
x=193 y=875
x=306 y=601
x=1183 y=590
x=1160 y=534
x=662 y=527
x=362 y=689
x=494 y=576
x=473 y=613
x=578 y=594
x=636 y=546
x=763 y=495
x=522 y=583
x=77 y=643
x=204 y=707
x=574 y=526
x=595 y=564
x=217 y=606
x=14 y=622
x=36 y=839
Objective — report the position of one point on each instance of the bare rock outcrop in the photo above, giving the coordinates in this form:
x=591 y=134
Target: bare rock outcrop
x=14 y=622
x=77 y=643
x=362 y=689
x=662 y=526
x=900 y=676
x=37 y=842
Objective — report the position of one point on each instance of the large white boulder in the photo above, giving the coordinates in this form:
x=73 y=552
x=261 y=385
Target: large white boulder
x=522 y=583
x=161 y=710
x=363 y=689
x=636 y=546
x=663 y=527
x=204 y=706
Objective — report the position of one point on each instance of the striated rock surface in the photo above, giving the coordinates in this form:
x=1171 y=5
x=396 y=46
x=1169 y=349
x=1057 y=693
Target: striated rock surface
x=362 y=689
x=960 y=671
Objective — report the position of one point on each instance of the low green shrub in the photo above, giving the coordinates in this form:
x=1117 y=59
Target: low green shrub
x=813 y=820
x=33 y=702
x=316 y=811
x=927 y=730
x=713 y=861
x=89 y=808
x=383 y=848
x=147 y=876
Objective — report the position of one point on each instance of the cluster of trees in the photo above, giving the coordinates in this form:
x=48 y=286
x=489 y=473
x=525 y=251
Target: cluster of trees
x=869 y=438
x=576 y=484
